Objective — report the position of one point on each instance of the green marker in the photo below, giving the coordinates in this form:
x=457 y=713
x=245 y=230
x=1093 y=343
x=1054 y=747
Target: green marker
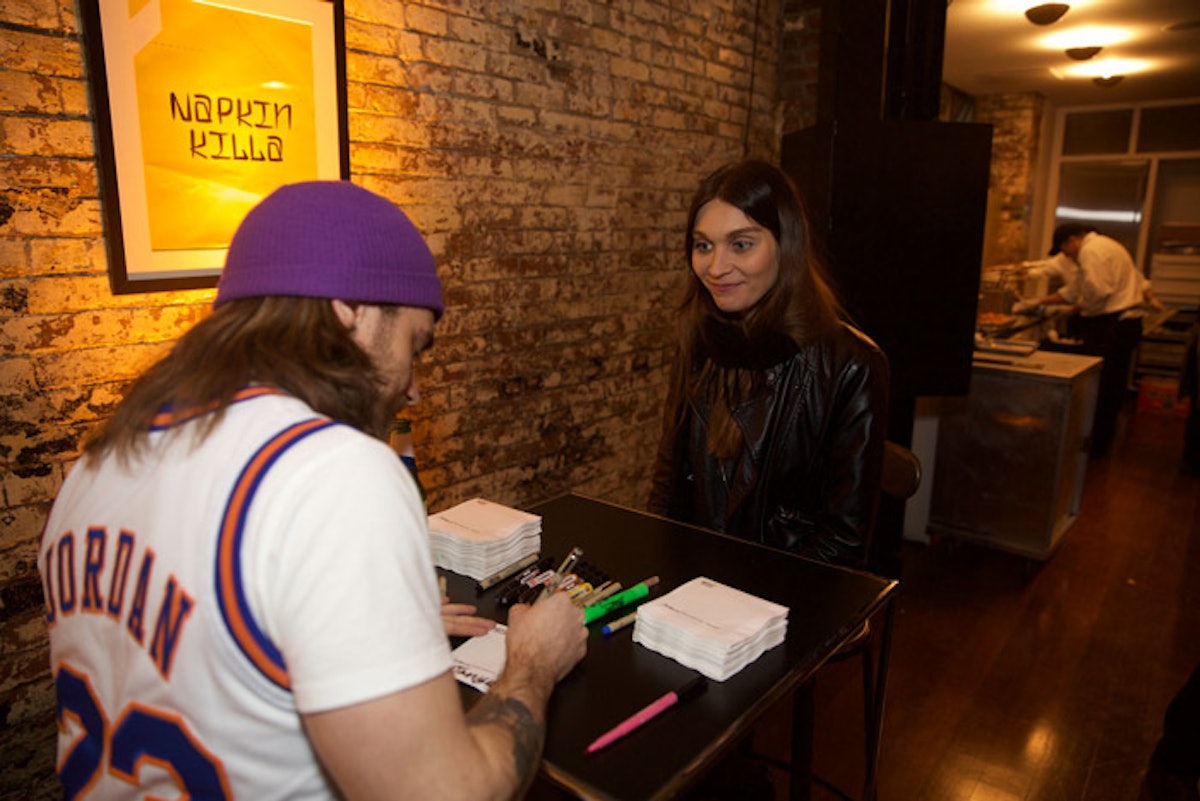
x=624 y=598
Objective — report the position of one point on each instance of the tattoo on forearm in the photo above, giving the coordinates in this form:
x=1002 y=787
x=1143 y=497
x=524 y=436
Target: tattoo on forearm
x=528 y=735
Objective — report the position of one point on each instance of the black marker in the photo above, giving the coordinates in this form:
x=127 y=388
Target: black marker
x=508 y=571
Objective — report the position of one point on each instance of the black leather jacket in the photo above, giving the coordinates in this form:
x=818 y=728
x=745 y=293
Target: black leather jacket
x=815 y=434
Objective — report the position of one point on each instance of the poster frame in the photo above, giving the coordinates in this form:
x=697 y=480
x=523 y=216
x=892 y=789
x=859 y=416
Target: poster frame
x=133 y=264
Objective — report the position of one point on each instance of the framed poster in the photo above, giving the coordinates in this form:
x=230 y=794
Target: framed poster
x=202 y=108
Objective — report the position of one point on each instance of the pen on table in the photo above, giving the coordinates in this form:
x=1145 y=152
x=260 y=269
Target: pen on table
x=513 y=587
x=614 y=602
x=535 y=576
x=603 y=591
x=619 y=623
x=442 y=586
x=562 y=571
x=511 y=570
x=648 y=713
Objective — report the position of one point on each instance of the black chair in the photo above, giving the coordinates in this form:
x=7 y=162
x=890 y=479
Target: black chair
x=900 y=481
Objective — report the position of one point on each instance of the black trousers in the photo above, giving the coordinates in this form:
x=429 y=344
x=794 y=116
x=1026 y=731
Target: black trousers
x=1114 y=340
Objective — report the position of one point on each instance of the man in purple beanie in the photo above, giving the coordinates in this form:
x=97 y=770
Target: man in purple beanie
x=239 y=589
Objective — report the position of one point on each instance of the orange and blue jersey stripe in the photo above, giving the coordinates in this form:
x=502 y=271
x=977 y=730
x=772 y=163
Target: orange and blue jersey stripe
x=167 y=417
x=231 y=595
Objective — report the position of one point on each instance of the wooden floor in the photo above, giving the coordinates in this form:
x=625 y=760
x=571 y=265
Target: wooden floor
x=1047 y=684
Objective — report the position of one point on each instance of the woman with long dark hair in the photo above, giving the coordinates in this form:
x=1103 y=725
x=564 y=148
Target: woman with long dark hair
x=776 y=414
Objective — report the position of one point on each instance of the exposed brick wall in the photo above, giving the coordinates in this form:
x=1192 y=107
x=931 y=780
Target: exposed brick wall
x=547 y=150
x=799 y=64
x=1017 y=123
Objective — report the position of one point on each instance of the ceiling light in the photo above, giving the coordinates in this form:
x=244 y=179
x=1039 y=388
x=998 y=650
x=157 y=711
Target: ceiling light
x=1085 y=36
x=1082 y=53
x=1046 y=13
x=1108 y=80
x=1104 y=67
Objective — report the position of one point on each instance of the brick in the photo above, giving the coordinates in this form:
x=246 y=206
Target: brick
x=43 y=14
x=430 y=78
x=363 y=37
x=54 y=212
x=376 y=13
x=14 y=257
x=61 y=256
x=627 y=68
x=30 y=92
x=40 y=53
x=383 y=99
x=20 y=490
x=375 y=69
x=83 y=293
x=41 y=136
x=724 y=75
x=483 y=86
x=479 y=32
x=387 y=129
x=463 y=55
x=21 y=524
x=93 y=366
x=97 y=327
x=426 y=20
x=77 y=175
x=16 y=376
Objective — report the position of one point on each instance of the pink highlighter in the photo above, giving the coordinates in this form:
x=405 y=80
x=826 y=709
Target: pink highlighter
x=648 y=713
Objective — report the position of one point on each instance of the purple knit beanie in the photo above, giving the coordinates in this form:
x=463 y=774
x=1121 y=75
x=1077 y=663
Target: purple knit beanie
x=330 y=239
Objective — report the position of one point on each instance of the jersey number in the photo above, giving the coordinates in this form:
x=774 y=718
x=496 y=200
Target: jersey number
x=141 y=733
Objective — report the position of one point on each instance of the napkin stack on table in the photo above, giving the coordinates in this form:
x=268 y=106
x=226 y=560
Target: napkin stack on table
x=479 y=537
x=710 y=627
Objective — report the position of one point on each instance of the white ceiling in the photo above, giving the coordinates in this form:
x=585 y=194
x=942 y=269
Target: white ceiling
x=992 y=48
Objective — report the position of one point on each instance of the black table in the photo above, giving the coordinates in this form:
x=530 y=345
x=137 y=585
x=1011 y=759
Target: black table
x=828 y=605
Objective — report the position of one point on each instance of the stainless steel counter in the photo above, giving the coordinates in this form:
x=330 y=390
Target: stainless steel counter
x=1011 y=455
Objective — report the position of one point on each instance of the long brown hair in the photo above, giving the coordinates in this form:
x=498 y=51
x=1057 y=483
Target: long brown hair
x=292 y=343
x=800 y=307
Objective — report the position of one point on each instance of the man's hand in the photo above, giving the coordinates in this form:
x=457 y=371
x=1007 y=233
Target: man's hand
x=548 y=636
x=459 y=620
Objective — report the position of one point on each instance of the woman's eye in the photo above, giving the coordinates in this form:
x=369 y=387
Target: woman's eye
x=742 y=245
x=701 y=247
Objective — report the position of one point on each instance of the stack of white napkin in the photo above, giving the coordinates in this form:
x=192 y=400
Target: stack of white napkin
x=479 y=537
x=710 y=627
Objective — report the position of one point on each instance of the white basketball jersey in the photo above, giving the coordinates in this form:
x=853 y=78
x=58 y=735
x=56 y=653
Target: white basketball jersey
x=202 y=596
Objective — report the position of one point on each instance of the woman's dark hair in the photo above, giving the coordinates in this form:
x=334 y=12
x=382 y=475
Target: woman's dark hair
x=295 y=344
x=800 y=307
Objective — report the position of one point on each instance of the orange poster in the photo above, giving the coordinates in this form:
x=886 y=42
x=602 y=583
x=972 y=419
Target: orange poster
x=203 y=107
x=221 y=126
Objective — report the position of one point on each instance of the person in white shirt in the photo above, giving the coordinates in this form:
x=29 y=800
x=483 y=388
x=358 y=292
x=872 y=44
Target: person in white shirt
x=1110 y=294
x=1058 y=269
x=239 y=589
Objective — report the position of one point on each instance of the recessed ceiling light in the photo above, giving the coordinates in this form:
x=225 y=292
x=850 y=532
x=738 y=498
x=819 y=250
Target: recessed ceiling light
x=1082 y=53
x=1108 y=80
x=1046 y=13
